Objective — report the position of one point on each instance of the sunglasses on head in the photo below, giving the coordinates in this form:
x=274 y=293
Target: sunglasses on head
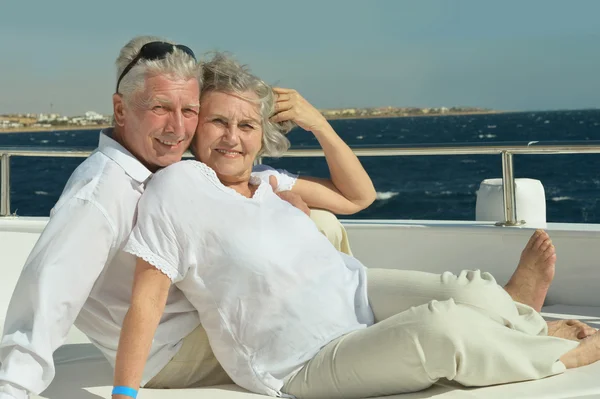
x=154 y=51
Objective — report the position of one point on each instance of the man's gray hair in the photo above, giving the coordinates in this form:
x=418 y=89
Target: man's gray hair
x=178 y=65
x=223 y=74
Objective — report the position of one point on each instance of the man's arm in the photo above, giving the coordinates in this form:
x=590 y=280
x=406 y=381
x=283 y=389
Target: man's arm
x=54 y=284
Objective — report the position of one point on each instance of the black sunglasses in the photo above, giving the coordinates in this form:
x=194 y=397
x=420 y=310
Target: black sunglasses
x=154 y=51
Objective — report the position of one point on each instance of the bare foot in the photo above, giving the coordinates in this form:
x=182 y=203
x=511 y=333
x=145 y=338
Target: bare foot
x=574 y=330
x=530 y=282
x=587 y=352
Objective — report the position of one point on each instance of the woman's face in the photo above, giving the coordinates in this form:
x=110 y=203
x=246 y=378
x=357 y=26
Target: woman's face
x=229 y=134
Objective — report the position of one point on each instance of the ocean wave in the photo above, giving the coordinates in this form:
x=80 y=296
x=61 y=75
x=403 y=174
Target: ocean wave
x=558 y=199
x=443 y=193
x=386 y=195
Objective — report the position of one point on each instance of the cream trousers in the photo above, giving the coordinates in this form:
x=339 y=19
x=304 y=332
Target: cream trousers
x=464 y=328
x=331 y=227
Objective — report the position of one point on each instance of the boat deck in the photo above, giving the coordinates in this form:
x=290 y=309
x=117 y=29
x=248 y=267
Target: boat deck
x=83 y=373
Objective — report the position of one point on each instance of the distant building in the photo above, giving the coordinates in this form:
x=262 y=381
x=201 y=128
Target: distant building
x=331 y=112
x=94 y=116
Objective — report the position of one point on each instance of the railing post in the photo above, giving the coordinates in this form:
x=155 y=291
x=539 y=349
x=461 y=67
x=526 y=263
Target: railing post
x=5 y=185
x=508 y=189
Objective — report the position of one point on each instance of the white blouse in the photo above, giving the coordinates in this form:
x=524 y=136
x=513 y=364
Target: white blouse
x=269 y=288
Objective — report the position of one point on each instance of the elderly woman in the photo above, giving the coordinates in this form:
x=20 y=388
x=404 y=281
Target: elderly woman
x=288 y=315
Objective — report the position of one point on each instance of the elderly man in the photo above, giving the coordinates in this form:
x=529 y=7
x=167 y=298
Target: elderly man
x=77 y=272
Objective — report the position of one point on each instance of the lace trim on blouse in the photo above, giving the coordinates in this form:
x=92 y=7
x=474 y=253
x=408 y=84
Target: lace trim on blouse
x=211 y=175
x=134 y=248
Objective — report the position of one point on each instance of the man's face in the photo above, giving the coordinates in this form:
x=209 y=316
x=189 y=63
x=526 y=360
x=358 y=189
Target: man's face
x=160 y=122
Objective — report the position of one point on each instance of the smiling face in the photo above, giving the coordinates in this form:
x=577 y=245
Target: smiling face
x=160 y=123
x=229 y=135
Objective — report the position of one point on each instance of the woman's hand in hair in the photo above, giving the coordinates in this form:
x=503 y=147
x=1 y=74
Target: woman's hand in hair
x=291 y=106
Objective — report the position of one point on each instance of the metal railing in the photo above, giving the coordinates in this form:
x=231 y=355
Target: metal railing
x=506 y=150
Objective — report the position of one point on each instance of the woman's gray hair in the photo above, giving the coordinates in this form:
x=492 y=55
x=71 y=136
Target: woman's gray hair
x=177 y=64
x=224 y=74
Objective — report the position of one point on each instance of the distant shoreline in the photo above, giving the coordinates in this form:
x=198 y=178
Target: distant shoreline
x=53 y=129
x=416 y=116
x=332 y=118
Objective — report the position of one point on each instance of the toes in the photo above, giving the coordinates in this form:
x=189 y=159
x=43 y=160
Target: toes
x=541 y=237
x=582 y=330
x=544 y=244
x=550 y=260
x=586 y=331
x=549 y=252
x=533 y=241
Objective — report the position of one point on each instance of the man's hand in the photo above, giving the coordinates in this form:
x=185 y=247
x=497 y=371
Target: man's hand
x=289 y=196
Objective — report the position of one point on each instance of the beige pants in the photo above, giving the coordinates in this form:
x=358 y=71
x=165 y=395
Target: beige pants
x=464 y=328
x=328 y=224
x=195 y=364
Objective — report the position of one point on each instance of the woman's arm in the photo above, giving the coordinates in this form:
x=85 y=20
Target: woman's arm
x=148 y=299
x=350 y=188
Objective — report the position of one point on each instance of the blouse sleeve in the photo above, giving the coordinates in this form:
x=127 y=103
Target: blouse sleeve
x=157 y=236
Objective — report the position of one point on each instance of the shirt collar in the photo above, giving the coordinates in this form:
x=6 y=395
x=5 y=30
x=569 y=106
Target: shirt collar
x=115 y=151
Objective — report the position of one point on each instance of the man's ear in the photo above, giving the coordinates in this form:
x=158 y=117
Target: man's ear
x=118 y=109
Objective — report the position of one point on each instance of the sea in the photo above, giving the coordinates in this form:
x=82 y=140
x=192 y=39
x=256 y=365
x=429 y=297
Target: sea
x=412 y=187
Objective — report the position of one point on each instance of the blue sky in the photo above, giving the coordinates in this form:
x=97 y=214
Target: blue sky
x=507 y=55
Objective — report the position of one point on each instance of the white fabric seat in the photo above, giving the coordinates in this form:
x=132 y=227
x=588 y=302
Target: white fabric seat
x=83 y=373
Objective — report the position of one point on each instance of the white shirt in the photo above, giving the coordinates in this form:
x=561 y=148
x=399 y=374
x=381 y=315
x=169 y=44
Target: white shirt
x=269 y=288
x=77 y=273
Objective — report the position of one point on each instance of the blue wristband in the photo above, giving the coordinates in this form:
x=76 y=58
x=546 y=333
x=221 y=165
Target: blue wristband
x=120 y=390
